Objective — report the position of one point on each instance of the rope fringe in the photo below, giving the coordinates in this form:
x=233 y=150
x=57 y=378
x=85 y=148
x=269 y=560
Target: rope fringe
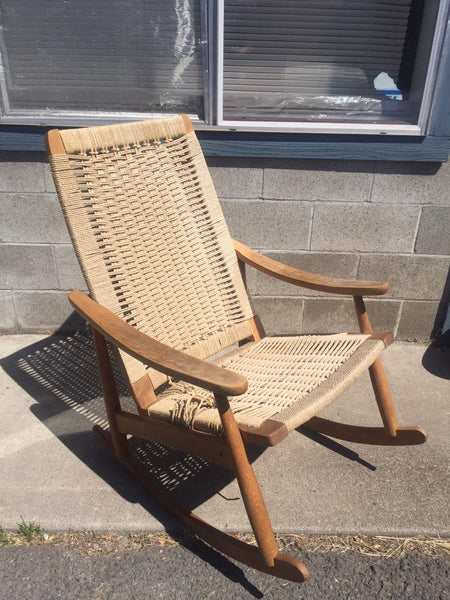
x=283 y=374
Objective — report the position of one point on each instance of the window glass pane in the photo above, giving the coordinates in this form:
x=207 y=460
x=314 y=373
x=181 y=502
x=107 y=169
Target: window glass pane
x=321 y=59
x=136 y=55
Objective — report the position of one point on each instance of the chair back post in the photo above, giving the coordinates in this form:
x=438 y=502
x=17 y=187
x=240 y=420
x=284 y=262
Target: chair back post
x=362 y=315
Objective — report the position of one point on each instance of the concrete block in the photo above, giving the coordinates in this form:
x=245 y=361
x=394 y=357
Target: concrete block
x=333 y=265
x=22 y=172
x=269 y=225
x=236 y=177
x=69 y=272
x=384 y=314
x=280 y=316
x=8 y=320
x=411 y=183
x=32 y=218
x=27 y=267
x=419 y=321
x=41 y=311
x=318 y=180
x=433 y=236
x=334 y=315
x=364 y=227
x=329 y=315
x=48 y=177
x=409 y=276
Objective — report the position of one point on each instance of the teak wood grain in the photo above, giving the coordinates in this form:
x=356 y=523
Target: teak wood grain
x=305 y=279
x=210 y=447
x=54 y=143
x=143 y=393
x=251 y=492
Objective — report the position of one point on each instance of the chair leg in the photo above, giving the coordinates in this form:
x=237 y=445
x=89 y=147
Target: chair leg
x=110 y=395
x=265 y=557
x=383 y=397
x=285 y=567
x=254 y=501
x=248 y=484
x=377 y=375
x=391 y=433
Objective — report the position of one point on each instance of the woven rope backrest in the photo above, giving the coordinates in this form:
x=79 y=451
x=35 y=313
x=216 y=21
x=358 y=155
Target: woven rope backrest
x=150 y=235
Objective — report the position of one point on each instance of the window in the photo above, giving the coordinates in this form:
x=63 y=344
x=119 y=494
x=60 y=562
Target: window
x=321 y=65
x=113 y=56
x=317 y=66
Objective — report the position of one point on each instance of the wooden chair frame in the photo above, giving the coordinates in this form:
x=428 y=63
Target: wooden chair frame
x=229 y=450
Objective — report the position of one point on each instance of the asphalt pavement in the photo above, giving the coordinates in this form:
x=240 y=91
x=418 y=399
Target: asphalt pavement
x=199 y=573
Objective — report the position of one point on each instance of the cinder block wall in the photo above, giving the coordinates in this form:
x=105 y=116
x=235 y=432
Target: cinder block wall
x=371 y=220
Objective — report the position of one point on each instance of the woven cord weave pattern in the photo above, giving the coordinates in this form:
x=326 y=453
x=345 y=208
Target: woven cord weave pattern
x=290 y=379
x=150 y=235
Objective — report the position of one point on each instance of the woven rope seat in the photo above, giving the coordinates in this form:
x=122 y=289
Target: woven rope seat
x=290 y=380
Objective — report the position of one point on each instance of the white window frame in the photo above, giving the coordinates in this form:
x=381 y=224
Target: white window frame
x=332 y=127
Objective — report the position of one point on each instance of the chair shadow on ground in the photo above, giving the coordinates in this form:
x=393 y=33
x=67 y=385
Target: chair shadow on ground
x=60 y=374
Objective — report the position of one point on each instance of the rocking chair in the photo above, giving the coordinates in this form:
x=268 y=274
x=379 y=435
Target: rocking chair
x=167 y=290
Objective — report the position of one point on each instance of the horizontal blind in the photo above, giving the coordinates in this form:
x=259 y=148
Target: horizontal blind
x=138 y=55
x=313 y=56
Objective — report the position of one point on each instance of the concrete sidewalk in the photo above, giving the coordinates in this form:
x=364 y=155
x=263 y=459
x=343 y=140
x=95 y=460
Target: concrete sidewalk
x=55 y=472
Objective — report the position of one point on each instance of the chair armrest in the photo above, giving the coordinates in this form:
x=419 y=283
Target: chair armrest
x=155 y=354
x=308 y=280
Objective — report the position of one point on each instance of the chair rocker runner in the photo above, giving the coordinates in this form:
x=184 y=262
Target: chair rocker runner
x=167 y=290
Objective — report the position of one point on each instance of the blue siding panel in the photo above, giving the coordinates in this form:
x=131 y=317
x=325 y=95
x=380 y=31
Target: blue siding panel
x=348 y=147
x=440 y=114
x=275 y=145
x=22 y=138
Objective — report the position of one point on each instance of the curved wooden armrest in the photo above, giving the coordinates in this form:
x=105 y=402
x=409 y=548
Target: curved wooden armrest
x=159 y=356
x=308 y=280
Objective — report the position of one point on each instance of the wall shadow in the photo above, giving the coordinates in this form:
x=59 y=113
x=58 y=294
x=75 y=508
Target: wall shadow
x=441 y=336
x=436 y=360
x=322 y=165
